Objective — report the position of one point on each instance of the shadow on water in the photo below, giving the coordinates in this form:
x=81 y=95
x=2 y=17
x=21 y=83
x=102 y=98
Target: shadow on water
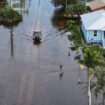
x=58 y=19
x=11 y=28
x=37 y=42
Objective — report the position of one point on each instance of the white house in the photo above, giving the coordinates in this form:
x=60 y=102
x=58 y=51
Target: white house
x=93 y=27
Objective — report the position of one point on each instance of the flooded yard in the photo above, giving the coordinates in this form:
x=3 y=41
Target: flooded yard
x=30 y=74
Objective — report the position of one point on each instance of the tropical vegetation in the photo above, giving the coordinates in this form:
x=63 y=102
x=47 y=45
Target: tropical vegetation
x=9 y=16
x=3 y=1
x=93 y=59
x=75 y=10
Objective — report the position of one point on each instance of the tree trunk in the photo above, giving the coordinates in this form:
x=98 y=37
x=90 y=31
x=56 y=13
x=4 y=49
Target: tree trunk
x=89 y=91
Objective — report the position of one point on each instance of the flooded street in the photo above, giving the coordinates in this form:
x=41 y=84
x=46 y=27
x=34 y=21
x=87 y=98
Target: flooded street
x=30 y=74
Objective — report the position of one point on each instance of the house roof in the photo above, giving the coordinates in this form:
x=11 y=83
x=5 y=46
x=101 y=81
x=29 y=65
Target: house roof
x=96 y=4
x=94 y=20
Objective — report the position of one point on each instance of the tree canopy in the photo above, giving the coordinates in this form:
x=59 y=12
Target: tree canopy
x=63 y=2
x=76 y=9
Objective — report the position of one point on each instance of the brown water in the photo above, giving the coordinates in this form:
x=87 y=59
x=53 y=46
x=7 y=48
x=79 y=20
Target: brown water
x=30 y=74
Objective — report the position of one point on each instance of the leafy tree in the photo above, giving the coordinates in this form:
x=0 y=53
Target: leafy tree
x=9 y=16
x=63 y=2
x=3 y=3
x=92 y=58
x=76 y=9
x=75 y=33
x=3 y=0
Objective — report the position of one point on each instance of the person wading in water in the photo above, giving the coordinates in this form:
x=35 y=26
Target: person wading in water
x=61 y=72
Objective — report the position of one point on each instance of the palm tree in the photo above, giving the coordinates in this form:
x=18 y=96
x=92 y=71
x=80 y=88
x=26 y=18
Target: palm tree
x=92 y=58
x=98 y=86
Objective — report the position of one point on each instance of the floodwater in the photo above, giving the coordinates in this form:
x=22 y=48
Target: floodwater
x=29 y=73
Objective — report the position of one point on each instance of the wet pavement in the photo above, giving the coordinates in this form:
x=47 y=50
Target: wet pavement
x=30 y=74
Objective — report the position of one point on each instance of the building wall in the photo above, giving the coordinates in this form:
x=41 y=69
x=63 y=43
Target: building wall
x=84 y=31
x=92 y=38
x=89 y=36
x=103 y=40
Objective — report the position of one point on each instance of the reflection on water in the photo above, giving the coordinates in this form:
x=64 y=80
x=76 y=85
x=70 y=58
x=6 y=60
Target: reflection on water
x=57 y=18
x=12 y=42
